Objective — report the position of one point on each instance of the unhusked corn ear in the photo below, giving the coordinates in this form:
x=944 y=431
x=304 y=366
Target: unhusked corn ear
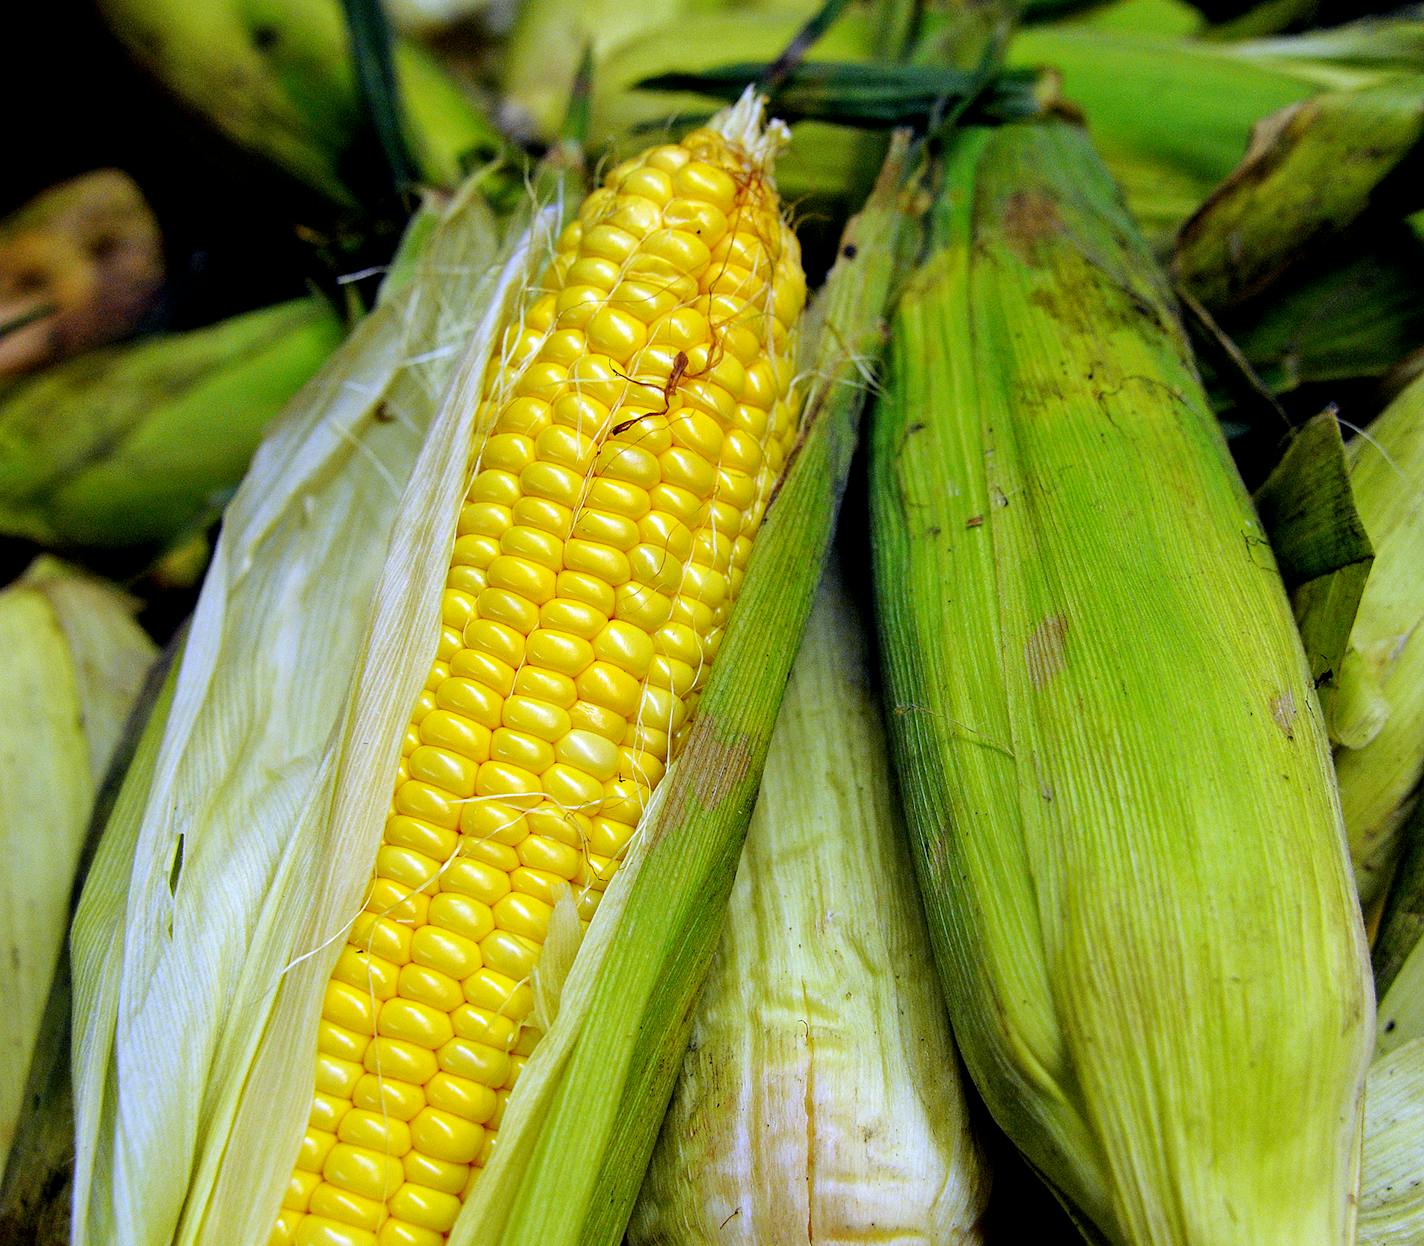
x=639 y=417
x=129 y=446
x=74 y=663
x=1378 y=724
x=819 y=1099
x=1113 y=759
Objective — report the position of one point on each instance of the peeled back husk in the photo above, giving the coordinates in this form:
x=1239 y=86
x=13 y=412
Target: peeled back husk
x=74 y=663
x=253 y=834
x=1113 y=760
x=213 y=891
x=819 y=1100
x=1378 y=720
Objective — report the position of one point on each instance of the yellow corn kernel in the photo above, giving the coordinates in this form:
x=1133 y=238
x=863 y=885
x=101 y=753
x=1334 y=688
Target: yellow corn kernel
x=636 y=429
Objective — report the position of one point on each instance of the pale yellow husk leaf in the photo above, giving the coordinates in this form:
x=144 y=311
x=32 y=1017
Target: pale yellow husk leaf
x=74 y=662
x=820 y=1098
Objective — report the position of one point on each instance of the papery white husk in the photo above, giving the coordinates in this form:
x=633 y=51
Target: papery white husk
x=1392 y=1181
x=197 y=966
x=820 y=1098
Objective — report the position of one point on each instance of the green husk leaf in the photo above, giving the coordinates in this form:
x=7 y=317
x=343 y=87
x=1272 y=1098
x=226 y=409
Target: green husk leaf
x=875 y=96
x=577 y=1132
x=1320 y=544
x=1312 y=171
x=74 y=662
x=1392 y=1185
x=137 y=444
x=1379 y=720
x=1352 y=317
x=372 y=54
x=1171 y=117
x=629 y=45
x=1113 y=761
x=819 y=1098
x=233 y=863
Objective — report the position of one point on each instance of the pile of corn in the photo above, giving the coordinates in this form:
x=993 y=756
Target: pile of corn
x=520 y=841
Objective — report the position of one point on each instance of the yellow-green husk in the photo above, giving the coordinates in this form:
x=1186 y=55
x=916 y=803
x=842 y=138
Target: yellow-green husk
x=1112 y=757
x=74 y=662
x=1378 y=719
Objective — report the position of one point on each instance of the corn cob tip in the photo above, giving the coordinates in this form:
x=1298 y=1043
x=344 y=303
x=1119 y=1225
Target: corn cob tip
x=745 y=126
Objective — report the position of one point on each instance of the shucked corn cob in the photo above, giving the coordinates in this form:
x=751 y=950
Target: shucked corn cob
x=641 y=415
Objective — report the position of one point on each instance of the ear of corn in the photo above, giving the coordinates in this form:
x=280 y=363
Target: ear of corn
x=288 y=891
x=229 y=870
x=276 y=76
x=819 y=1099
x=634 y=434
x=1112 y=757
x=1392 y=1183
x=581 y=1125
x=74 y=661
x=136 y=445
x=1378 y=718
x=80 y=265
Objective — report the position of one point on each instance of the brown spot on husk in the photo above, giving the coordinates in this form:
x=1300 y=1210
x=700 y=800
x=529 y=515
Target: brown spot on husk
x=1030 y=216
x=1043 y=652
x=715 y=765
x=1283 y=710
